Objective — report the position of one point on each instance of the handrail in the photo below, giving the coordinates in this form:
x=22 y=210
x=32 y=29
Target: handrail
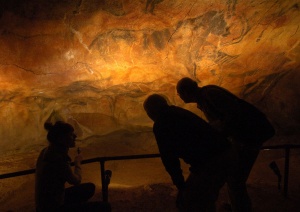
x=282 y=146
x=102 y=161
x=287 y=148
x=86 y=161
x=18 y=173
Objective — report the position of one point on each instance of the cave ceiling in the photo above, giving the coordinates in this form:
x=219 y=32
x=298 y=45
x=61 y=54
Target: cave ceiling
x=93 y=62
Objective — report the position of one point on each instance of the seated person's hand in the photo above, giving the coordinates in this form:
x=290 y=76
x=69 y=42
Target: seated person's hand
x=78 y=159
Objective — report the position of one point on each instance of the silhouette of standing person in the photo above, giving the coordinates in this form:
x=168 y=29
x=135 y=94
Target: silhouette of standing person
x=180 y=134
x=244 y=124
x=53 y=170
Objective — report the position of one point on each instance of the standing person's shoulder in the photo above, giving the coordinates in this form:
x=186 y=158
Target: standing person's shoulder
x=175 y=110
x=181 y=114
x=215 y=91
x=209 y=91
x=211 y=87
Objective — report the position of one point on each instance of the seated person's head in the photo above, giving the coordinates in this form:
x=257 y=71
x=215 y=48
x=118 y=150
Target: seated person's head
x=186 y=89
x=60 y=134
x=154 y=104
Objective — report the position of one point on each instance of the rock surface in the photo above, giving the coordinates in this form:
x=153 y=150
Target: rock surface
x=92 y=63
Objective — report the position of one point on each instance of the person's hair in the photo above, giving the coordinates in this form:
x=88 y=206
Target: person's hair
x=57 y=130
x=155 y=101
x=186 y=85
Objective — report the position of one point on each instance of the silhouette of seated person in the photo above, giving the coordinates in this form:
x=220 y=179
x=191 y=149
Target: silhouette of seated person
x=181 y=134
x=53 y=170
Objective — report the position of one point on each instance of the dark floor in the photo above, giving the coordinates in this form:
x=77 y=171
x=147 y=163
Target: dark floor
x=144 y=185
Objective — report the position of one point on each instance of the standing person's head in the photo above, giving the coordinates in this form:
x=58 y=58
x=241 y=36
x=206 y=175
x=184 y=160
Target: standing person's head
x=154 y=104
x=187 y=89
x=60 y=134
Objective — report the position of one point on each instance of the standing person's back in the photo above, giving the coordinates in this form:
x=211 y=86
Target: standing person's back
x=189 y=136
x=244 y=124
x=238 y=118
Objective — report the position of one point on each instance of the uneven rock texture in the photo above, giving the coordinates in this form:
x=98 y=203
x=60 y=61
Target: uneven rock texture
x=92 y=62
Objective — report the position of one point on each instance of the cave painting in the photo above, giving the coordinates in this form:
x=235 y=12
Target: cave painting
x=92 y=63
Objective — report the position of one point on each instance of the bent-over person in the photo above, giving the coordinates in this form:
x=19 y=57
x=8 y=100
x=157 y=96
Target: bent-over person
x=181 y=134
x=244 y=124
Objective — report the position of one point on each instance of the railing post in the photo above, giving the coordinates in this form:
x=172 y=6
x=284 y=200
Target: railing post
x=103 y=183
x=286 y=170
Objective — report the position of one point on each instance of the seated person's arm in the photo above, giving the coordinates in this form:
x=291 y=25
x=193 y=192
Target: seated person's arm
x=74 y=178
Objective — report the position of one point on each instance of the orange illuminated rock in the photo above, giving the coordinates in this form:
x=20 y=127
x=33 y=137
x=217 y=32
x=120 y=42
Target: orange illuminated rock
x=94 y=62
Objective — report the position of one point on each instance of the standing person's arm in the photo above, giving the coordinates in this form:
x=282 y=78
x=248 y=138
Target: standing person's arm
x=166 y=138
x=172 y=166
x=169 y=157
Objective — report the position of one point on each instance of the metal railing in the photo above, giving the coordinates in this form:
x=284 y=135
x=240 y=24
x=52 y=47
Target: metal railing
x=287 y=148
x=105 y=174
x=105 y=178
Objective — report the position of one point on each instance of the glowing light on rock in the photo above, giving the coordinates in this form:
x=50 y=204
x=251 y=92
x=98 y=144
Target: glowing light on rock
x=98 y=61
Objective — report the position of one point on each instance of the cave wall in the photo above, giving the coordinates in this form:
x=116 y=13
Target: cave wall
x=93 y=62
